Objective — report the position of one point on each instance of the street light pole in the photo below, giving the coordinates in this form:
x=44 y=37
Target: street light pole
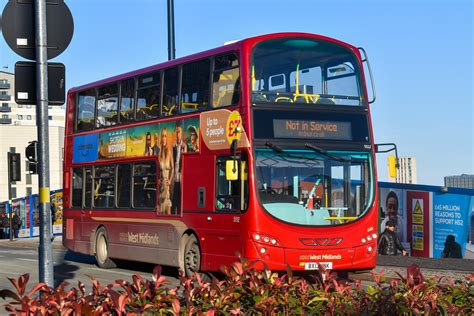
x=171 y=48
x=46 y=274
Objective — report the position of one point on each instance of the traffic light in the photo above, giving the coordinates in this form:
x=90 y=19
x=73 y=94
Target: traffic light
x=31 y=151
x=31 y=154
x=392 y=166
x=14 y=167
x=33 y=167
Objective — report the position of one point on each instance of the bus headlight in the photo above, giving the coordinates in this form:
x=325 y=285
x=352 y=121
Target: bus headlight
x=265 y=239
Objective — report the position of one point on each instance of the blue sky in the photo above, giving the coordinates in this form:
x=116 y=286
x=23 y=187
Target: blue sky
x=421 y=52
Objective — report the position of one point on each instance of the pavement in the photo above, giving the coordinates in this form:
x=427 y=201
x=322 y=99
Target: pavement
x=31 y=242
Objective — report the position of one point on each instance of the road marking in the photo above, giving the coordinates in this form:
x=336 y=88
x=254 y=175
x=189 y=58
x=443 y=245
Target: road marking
x=26 y=259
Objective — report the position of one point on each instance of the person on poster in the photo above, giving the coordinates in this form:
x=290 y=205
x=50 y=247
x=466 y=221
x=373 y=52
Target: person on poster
x=391 y=209
x=166 y=175
x=178 y=149
x=452 y=249
x=148 y=150
x=156 y=146
x=193 y=143
x=389 y=244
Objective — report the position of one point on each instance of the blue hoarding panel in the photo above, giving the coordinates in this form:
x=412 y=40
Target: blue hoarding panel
x=451 y=214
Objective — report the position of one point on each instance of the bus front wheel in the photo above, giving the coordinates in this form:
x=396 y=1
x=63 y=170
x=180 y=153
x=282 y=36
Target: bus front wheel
x=192 y=256
x=102 y=250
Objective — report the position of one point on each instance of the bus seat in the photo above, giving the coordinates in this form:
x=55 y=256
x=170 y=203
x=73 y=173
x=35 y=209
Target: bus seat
x=284 y=99
x=168 y=110
x=225 y=97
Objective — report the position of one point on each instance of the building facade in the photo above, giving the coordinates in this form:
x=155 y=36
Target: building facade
x=465 y=181
x=18 y=127
x=406 y=172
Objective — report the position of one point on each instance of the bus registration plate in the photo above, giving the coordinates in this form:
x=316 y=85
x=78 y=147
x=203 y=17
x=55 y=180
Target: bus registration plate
x=314 y=265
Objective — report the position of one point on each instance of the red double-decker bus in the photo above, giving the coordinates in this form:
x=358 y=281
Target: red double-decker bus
x=262 y=147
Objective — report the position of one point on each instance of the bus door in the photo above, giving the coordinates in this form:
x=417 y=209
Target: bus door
x=224 y=241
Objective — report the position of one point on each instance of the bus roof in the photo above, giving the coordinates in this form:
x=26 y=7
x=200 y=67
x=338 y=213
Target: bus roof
x=228 y=47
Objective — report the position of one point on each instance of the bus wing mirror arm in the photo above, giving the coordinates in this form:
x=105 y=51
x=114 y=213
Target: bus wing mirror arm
x=365 y=59
x=393 y=162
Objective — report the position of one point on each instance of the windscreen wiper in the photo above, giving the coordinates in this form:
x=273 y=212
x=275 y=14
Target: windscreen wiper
x=283 y=153
x=325 y=153
x=276 y=149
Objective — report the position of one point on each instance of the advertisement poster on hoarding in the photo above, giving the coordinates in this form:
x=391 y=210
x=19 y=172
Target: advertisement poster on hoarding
x=470 y=244
x=3 y=217
x=450 y=217
x=28 y=211
x=392 y=205
x=418 y=219
x=57 y=208
x=18 y=207
x=35 y=215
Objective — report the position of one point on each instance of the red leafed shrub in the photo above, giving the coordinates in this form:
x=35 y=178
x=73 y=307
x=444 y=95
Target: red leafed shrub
x=245 y=290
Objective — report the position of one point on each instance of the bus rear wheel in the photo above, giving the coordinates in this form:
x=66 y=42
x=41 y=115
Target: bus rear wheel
x=192 y=256
x=102 y=250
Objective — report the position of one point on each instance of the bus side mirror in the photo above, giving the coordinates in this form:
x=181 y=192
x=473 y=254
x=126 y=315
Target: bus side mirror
x=392 y=166
x=231 y=170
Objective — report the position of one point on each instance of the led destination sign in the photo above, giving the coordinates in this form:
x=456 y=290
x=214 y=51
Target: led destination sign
x=291 y=128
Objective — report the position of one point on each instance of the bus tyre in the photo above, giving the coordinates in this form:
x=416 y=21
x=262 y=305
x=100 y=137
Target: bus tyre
x=192 y=256
x=102 y=250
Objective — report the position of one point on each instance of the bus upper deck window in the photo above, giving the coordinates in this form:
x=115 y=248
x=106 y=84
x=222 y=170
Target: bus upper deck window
x=148 y=96
x=85 y=110
x=107 y=106
x=226 y=81
x=195 y=87
x=127 y=100
x=170 y=92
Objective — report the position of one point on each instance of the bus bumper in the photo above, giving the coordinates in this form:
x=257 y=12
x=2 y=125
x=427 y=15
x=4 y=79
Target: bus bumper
x=279 y=258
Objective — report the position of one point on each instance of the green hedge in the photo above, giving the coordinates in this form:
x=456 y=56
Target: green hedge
x=245 y=290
